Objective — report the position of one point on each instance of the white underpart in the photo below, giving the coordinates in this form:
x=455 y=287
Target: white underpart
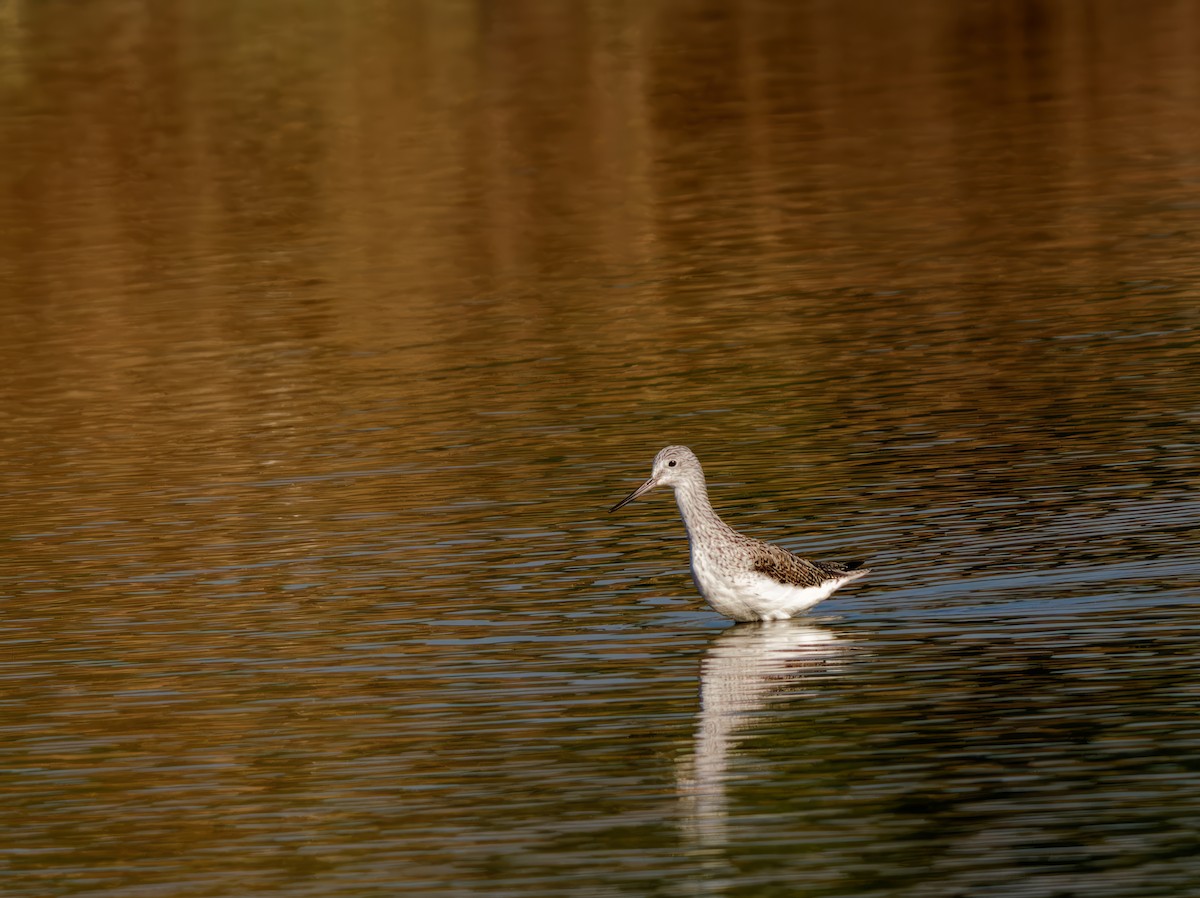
x=750 y=596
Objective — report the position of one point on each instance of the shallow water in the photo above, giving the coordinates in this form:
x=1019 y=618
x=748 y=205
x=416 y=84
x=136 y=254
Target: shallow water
x=331 y=332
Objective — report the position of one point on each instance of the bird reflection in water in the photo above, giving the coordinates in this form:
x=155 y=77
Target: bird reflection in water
x=746 y=668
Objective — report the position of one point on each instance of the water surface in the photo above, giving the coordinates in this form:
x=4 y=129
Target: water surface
x=331 y=332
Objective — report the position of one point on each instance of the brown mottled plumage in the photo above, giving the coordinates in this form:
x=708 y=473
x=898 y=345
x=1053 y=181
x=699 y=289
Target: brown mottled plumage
x=780 y=564
x=741 y=577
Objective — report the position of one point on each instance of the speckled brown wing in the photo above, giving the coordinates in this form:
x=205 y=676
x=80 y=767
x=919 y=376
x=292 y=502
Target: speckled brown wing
x=782 y=565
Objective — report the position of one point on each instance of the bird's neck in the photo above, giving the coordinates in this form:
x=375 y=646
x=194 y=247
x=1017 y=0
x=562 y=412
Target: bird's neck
x=698 y=515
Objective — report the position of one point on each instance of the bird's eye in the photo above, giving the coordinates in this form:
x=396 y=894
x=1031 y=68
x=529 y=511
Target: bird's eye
x=671 y=463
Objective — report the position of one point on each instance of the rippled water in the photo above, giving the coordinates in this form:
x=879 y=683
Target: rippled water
x=331 y=332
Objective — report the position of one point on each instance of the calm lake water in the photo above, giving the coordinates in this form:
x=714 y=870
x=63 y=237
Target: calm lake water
x=331 y=330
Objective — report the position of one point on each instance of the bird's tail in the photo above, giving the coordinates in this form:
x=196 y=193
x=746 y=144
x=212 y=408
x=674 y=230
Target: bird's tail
x=854 y=570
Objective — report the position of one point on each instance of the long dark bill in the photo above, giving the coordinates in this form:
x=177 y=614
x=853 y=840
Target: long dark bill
x=644 y=488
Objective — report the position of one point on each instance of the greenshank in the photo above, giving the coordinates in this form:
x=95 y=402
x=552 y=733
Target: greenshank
x=742 y=578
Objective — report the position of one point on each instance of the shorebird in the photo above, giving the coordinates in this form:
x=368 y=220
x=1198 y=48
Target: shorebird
x=742 y=578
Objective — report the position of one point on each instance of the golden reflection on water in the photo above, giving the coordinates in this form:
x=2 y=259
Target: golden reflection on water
x=401 y=154
x=225 y=219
